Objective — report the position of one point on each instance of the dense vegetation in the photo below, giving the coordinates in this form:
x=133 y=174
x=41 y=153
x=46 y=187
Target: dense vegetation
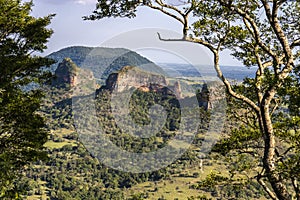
x=262 y=34
x=22 y=133
x=258 y=158
x=72 y=172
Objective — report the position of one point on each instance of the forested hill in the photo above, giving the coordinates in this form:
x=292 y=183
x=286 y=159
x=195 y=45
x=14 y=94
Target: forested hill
x=103 y=61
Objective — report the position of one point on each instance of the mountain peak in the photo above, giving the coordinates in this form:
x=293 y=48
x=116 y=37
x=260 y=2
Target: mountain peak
x=69 y=66
x=65 y=74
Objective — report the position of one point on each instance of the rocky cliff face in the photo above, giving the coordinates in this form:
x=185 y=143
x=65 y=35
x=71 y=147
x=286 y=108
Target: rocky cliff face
x=67 y=74
x=132 y=77
x=210 y=94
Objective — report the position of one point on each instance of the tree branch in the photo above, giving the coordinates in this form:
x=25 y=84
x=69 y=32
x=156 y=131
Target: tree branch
x=189 y=39
x=218 y=69
x=255 y=29
x=296 y=187
x=273 y=19
x=169 y=6
x=295 y=43
x=228 y=85
x=166 y=12
x=258 y=75
x=265 y=187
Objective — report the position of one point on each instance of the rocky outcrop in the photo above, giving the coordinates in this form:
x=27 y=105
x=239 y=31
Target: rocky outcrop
x=134 y=78
x=177 y=89
x=210 y=95
x=67 y=74
x=203 y=97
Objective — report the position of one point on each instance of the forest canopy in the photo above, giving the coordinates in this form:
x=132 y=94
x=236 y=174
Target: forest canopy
x=260 y=33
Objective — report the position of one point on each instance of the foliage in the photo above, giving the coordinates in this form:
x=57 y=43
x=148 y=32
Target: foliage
x=73 y=173
x=21 y=127
x=262 y=34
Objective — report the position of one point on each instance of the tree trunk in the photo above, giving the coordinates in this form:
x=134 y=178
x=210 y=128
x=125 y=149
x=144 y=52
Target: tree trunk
x=269 y=155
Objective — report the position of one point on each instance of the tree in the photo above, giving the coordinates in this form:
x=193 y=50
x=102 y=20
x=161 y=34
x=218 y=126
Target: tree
x=22 y=133
x=260 y=33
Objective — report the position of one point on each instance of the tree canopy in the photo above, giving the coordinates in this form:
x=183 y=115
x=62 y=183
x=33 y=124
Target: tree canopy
x=22 y=133
x=260 y=33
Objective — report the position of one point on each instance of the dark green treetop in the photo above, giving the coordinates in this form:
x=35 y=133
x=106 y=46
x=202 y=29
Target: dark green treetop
x=21 y=127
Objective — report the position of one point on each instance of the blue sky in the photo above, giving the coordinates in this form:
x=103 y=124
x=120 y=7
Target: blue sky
x=70 y=29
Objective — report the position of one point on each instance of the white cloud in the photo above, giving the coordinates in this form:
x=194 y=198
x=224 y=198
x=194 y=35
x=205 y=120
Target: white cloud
x=85 y=2
x=176 y=2
x=62 y=2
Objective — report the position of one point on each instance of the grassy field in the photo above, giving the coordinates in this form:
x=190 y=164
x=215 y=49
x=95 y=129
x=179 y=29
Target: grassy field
x=61 y=134
x=176 y=186
x=57 y=145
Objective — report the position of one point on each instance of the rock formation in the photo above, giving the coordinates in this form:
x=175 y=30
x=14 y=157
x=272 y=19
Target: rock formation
x=69 y=75
x=210 y=94
x=132 y=77
x=66 y=74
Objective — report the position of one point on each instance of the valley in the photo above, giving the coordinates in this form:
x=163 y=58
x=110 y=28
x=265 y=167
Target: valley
x=74 y=169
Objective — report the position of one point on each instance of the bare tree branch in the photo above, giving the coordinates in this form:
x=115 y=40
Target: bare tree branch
x=295 y=43
x=255 y=30
x=218 y=69
x=267 y=189
x=228 y=85
x=273 y=19
x=189 y=39
x=161 y=9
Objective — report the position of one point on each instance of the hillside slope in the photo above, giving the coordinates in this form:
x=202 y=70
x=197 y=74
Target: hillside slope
x=103 y=61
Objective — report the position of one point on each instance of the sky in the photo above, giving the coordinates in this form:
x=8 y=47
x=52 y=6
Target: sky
x=70 y=30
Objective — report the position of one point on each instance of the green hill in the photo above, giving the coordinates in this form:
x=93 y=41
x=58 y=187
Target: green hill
x=103 y=61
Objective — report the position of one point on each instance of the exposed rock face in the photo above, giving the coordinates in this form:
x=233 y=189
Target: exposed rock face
x=210 y=95
x=203 y=97
x=67 y=74
x=177 y=89
x=132 y=77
